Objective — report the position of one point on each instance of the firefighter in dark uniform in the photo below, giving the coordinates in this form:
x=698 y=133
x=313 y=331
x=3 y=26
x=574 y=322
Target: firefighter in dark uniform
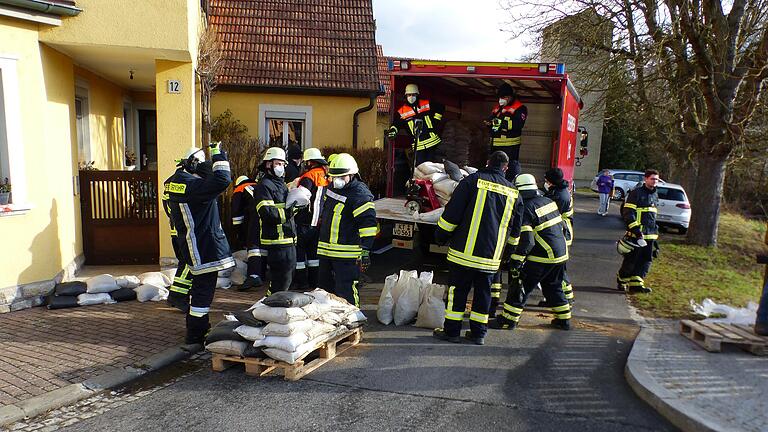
x=315 y=180
x=192 y=193
x=484 y=211
x=276 y=220
x=430 y=113
x=639 y=213
x=557 y=191
x=347 y=230
x=246 y=223
x=513 y=171
x=539 y=258
x=506 y=121
x=178 y=295
x=293 y=163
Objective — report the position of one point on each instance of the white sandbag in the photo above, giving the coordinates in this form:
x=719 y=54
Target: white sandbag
x=355 y=317
x=298 y=197
x=320 y=329
x=226 y=273
x=428 y=168
x=250 y=333
x=155 y=278
x=285 y=343
x=275 y=329
x=431 y=216
x=432 y=308
x=443 y=201
x=228 y=347
x=127 y=281
x=94 y=299
x=290 y=357
x=407 y=303
x=104 y=283
x=280 y=315
x=336 y=303
x=223 y=283
x=169 y=273
x=315 y=310
x=332 y=318
x=150 y=292
x=385 y=311
x=438 y=177
x=464 y=173
x=402 y=280
x=417 y=173
x=426 y=277
x=239 y=273
x=470 y=170
x=241 y=255
x=445 y=188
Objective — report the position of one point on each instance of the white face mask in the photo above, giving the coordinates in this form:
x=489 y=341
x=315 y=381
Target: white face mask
x=411 y=99
x=339 y=183
x=279 y=170
x=502 y=102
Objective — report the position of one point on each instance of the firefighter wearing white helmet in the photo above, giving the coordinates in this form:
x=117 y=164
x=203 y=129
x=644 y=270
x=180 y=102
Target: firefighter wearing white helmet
x=202 y=246
x=539 y=260
x=277 y=232
x=421 y=118
x=315 y=181
x=347 y=230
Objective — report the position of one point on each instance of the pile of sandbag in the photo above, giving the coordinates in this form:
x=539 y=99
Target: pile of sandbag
x=287 y=325
x=411 y=296
x=234 y=275
x=444 y=177
x=107 y=289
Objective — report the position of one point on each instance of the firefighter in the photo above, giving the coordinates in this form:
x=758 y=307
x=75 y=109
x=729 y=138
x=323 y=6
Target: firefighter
x=178 y=295
x=484 y=211
x=277 y=232
x=315 y=180
x=557 y=190
x=506 y=121
x=293 y=165
x=513 y=171
x=639 y=214
x=347 y=230
x=192 y=193
x=539 y=258
x=430 y=114
x=246 y=223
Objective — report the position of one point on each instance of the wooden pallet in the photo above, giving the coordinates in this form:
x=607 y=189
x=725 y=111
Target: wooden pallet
x=292 y=372
x=711 y=336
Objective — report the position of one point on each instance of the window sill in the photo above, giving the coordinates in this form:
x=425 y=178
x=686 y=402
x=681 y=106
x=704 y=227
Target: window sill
x=14 y=209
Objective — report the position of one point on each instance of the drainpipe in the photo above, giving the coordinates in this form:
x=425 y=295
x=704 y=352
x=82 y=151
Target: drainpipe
x=43 y=6
x=355 y=121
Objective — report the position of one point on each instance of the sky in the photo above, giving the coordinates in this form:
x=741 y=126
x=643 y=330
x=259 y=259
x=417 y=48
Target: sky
x=445 y=30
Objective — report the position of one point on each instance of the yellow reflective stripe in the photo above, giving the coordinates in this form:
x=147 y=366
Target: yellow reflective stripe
x=438 y=116
x=510 y=308
x=280 y=241
x=174 y=232
x=367 y=206
x=630 y=206
x=518 y=257
x=552 y=222
x=562 y=308
x=544 y=245
x=478 y=263
x=179 y=289
x=513 y=241
x=166 y=197
x=340 y=246
x=367 y=232
x=264 y=203
x=525 y=228
x=178 y=280
x=478 y=317
x=477 y=216
x=495 y=187
x=355 y=294
x=547 y=209
x=633 y=224
x=444 y=224
x=503 y=227
x=506 y=141
x=542 y=260
x=338 y=254
x=179 y=188
x=428 y=121
x=651 y=236
x=336 y=222
x=427 y=143
x=449 y=312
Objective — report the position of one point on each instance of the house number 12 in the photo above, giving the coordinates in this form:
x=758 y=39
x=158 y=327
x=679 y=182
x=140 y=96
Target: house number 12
x=174 y=86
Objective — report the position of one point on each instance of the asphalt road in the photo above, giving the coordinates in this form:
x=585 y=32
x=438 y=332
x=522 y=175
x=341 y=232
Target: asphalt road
x=532 y=379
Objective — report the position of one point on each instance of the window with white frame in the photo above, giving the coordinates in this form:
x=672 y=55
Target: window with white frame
x=11 y=144
x=82 y=114
x=284 y=125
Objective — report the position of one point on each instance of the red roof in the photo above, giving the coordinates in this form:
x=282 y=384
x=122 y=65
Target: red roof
x=383 y=101
x=326 y=45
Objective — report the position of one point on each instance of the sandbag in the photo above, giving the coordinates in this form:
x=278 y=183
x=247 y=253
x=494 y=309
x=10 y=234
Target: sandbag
x=252 y=351
x=239 y=271
x=280 y=315
x=432 y=308
x=356 y=319
x=224 y=330
x=127 y=281
x=157 y=278
x=285 y=343
x=287 y=299
x=250 y=333
x=431 y=216
x=61 y=302
x=437 y=177
x=290 y=357
x=446 y=188
x=298 y=197
x=246 y=317
x=88 y=299
x=151 y=292
x=315 y=310
x=226 y=273
x=241 y=255
x=331 y=318
x=407 y=293
x=336 y=303
x=169 y=274
x=453 y=170
x=319 y=329
x=426 y=277
x=385 y=311
x=228 y=347
x=428 y=168
x=223 y=283
x=123 y=294
x=470 y=170
x=74 y=288
x=101 y=284
x=275 y=329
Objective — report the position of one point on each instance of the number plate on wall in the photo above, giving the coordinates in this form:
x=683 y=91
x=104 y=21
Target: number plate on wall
x=174 y=86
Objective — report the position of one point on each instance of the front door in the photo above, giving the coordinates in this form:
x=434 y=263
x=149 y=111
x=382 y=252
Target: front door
x=148 y=139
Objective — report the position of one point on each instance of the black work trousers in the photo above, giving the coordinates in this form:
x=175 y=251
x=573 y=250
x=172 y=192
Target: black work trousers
x=281 y=260
x=340 y=277
x=550 y=276
x=257 y=261
x=464 y=279
x=636 y=265
x=428 y=155
x=513 y=151
x=200 y=299
x=307 y=263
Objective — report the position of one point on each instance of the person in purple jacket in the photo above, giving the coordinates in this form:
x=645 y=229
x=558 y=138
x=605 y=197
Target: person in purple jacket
x=605 y=189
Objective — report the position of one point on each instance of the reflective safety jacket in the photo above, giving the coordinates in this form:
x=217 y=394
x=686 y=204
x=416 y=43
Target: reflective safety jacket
x=167 y=208
x=483 y=213
x=507 y=124
x=243 y=208
x=202 y=244
x=275 y=222
x=562 y=197
x=639 y=212
x=316 y=181
x=348 y=222
x=541 y=236
x=431 y=113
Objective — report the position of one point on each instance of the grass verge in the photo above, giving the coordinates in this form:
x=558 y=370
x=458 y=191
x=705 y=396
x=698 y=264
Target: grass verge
x=726 y=274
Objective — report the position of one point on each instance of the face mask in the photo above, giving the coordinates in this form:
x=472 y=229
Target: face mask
x=339 y=183
x=502 y=102
x=411 y=99
x=278 y=170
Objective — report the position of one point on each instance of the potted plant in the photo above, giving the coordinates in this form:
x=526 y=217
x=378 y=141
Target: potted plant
x=5 y=192
x=130 y=160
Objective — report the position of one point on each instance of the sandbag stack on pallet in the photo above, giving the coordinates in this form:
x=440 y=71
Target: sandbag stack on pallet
x=106 y=289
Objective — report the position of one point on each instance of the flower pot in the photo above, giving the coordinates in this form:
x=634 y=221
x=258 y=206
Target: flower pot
x=5 y=197
x=130 y=167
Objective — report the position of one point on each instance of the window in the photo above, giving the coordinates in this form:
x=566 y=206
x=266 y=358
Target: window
x=11 y=143
x=284 y=125
x=635 y=177
x=81 y=123
x=619 y=176
x=671 y=194
x=284 y=132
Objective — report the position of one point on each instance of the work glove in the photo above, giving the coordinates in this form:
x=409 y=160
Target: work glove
x=365 y=260
x=514 y=269
x=656 y=250
x=215 y=148
x=392 y=132
x=496 y=124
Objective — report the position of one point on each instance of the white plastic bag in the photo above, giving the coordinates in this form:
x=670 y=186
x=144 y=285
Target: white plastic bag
x=275 y=329
x=250 y=333
x=426 y=277
x=285 y=343
x=298 y=197
x=385 y=311
x=224 y=283
x=169 y=274
x=104 y=283
x=279 y=315
x=732 y=315
x=127 y=281
x=94 y=299
x=407 y=303
x=155 y=278
x=150 y=292
x=431 y=216
x=290 y=357
x=432 y=308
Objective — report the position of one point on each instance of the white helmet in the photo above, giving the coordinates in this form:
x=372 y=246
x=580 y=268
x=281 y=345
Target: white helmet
x=274 y=153
x=526 y=182
x=411 y=89
x=313 y=154
x=240 y=180
x=197 y=152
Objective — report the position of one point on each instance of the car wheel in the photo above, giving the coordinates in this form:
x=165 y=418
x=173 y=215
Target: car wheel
x=682 y=230
x=618 y=194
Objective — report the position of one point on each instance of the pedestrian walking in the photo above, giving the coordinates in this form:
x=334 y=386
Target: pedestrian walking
x=605 y=190
x=483 y=215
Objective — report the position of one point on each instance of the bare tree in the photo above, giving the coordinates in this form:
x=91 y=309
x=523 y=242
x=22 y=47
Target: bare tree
x=209 y=64
x=696 y=69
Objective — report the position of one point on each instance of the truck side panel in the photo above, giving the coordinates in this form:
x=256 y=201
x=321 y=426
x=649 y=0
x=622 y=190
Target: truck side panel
x=564 y=152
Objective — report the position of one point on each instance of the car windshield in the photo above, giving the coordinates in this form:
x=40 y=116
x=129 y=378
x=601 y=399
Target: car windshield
x=671 y=194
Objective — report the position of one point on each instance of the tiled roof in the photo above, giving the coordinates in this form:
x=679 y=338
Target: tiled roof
x=382 y=101
x=306 y=44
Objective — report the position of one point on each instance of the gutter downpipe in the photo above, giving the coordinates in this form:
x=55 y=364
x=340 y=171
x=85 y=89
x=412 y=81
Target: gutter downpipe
x=43 y=6
x=355 y=121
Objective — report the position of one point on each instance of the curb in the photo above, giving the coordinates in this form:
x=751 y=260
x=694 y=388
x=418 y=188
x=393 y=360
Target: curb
x=674 y=409
x=75 y=392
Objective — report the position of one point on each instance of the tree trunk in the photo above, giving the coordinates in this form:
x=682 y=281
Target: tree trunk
x=705 y=206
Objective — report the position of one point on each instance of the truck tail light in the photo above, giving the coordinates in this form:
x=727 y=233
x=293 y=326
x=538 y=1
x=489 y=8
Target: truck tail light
x=683 y=206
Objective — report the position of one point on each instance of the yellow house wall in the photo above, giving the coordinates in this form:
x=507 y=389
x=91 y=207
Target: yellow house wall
x=382 y=125
x=331 y=115
x=105 y=120
x=38 y=244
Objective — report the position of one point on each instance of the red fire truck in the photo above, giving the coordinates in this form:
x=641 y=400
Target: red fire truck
x=550 y=137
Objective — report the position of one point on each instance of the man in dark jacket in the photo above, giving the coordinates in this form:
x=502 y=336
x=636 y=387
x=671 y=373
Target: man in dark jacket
x=506 y=121
x=293 y=165
x=428 y=114
x=538 y=258
x=639 y=214
x=246 y=223
x=192 y=192
x=278 y=236
x=315 y=180
x=557 y=191
x=178 y=293
x=347 y=230
x=483 y=213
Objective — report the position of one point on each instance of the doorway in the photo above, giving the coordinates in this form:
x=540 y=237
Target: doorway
x=148 y=139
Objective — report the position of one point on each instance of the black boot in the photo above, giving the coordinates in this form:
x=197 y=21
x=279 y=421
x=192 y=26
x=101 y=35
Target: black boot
x=501 y=323
x=178 y=301
x=761 y=328
x=300 y=281
x=312 y=278
x=492 y=309
x=442 y=335
x=474 y=339
x=640 y=290
x=250 y=283
x=562 y=324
